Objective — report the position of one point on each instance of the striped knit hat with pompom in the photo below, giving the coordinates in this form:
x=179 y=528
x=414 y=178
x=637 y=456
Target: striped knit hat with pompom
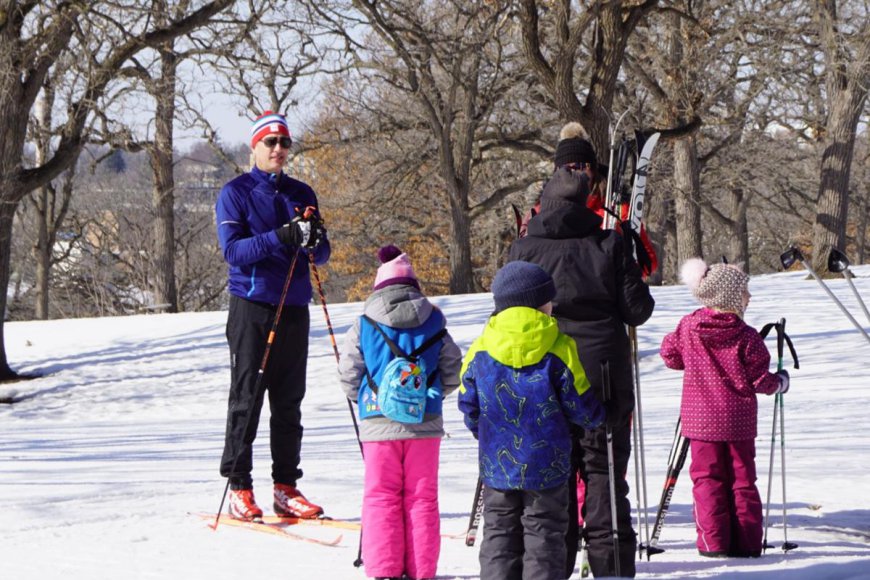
x=720 y=286
x=268 y=123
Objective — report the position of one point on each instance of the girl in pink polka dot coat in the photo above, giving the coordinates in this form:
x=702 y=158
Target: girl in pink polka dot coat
x=726 y=364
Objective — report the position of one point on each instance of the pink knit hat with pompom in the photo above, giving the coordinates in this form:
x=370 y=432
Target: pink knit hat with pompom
x=720 y=286
x=395 y=268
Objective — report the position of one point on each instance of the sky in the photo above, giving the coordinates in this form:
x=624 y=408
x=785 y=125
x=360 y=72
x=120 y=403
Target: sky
x=108 y=460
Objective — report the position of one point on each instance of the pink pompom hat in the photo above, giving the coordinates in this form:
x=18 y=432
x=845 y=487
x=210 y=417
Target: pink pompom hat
x=395 y=268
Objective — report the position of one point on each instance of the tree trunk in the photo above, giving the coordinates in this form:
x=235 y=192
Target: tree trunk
x=739 y=239
x=14 y=112
x=832 y=207
x=687 y=185
x=656 y=223
x=42 y=254
x=461 y=271
x=24 y=62
x=861 y=238
x=7 y=213
x=163 y=258
x=44 y=240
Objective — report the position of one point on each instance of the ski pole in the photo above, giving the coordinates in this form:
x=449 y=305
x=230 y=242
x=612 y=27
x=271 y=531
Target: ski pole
x=585 y=567
x=359 y=561
x=764 y=544
x=611 y=467
x=839 y=263
x=793 y=255
x=781 y=339
x=332 y=340
x=640 y=474
x=476 y=514
x=259 y=381
x=676 y=460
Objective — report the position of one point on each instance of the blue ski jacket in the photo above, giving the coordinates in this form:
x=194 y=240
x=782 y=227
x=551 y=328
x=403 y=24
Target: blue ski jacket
x=249 y=209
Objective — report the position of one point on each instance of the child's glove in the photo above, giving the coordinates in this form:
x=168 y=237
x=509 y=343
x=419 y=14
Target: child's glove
x=783 y=382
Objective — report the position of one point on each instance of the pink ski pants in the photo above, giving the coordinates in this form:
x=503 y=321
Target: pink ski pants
x=401 y=525
x=728 y=510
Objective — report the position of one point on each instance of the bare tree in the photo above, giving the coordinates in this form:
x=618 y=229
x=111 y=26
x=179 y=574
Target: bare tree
x=863 y=191
x=268 y=60
x=563 y=41
x=159 y=74
x=50 y=203
x=431 y=80
x=731 y=65
x=844 y=41
x=33 y=35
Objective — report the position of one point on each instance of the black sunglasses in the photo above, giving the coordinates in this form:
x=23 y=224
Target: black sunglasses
x=285 y=142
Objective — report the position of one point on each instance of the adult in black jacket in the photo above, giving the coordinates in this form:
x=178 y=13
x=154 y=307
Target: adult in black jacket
x=599 y=289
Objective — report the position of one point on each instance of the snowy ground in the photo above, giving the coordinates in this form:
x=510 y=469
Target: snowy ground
x=104 y=459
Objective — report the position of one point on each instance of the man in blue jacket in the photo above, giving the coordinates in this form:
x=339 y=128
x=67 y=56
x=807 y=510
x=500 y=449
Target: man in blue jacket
x=268 y=225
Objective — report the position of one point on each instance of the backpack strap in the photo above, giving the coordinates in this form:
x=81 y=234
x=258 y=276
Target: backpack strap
x=398 y=352
x=394 y=348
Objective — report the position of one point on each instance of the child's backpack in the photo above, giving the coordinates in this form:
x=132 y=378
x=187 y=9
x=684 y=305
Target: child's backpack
x=405 y=382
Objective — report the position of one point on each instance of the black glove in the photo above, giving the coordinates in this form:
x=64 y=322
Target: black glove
x=318 y=233
x=302 y=232
x=632 y=244
x=628 y=241
x=783 y=381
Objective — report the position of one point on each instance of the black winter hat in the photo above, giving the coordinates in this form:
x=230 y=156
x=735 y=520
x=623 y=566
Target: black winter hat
x=522 y=284
x=574 y=147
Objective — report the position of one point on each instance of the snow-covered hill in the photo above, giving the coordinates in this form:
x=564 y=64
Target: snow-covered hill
x=104 y=459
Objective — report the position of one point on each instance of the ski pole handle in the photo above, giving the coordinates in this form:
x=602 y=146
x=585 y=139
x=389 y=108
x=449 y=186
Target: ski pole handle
x=780 y=342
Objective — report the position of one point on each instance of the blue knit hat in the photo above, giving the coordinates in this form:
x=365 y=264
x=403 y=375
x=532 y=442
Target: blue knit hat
x=522 y=284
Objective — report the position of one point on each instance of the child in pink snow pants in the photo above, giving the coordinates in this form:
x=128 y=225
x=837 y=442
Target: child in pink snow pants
x=726 y=364
x=401 y=533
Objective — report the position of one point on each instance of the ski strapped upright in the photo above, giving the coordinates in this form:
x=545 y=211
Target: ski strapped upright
x=643 y=149
x=638 y=198
x=614 y=172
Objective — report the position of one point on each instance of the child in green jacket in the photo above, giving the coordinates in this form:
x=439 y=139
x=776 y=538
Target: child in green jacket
x=522 y=384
